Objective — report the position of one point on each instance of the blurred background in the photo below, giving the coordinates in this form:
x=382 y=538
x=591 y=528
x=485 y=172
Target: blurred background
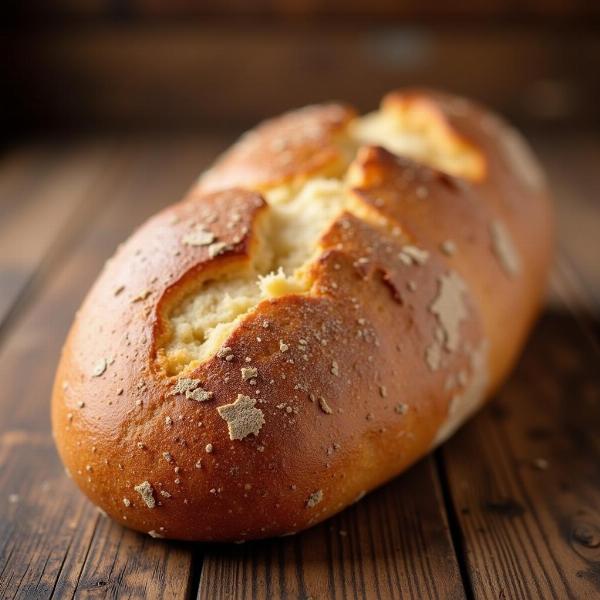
x=84 y=65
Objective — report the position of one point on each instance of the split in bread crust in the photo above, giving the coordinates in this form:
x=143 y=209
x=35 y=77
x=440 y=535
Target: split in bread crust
x=300 y=212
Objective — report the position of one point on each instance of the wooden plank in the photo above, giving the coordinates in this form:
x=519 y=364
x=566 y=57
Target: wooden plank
x=53 y=543
x=524 y=475
x=44 y=527
x=571 y=162
x=120 y=563
x=393 y=544
x=44 y=192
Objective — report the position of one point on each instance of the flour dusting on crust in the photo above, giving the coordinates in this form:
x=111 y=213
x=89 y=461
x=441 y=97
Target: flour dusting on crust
x=242 y=417
x=450 y=309
x=146 y=491
x=504 y=249
x=465 y=402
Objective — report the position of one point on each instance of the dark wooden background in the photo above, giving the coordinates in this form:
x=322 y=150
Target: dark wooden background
x=131 y=64
x=111 y=108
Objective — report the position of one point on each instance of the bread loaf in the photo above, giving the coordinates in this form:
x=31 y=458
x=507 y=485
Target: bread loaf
x=331 y=300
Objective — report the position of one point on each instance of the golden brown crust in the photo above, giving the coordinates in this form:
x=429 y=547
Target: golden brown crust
x=415 y=312
x=290 y=147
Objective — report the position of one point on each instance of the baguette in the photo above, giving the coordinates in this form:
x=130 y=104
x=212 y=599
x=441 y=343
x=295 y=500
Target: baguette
x=329 y=302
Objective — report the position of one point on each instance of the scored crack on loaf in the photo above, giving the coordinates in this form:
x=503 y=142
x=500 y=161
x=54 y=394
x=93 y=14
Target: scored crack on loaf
x=331 y=300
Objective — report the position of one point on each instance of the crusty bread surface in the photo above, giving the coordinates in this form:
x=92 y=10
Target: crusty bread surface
x=329 y=302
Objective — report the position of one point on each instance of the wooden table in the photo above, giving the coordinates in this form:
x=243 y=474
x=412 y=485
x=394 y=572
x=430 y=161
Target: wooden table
x=508 y=508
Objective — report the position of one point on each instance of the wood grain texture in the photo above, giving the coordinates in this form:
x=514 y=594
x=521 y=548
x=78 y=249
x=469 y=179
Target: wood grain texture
x=524 y=475
x=55 y=544
x=572 y=166
x=393 y=544
x=44 y=195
